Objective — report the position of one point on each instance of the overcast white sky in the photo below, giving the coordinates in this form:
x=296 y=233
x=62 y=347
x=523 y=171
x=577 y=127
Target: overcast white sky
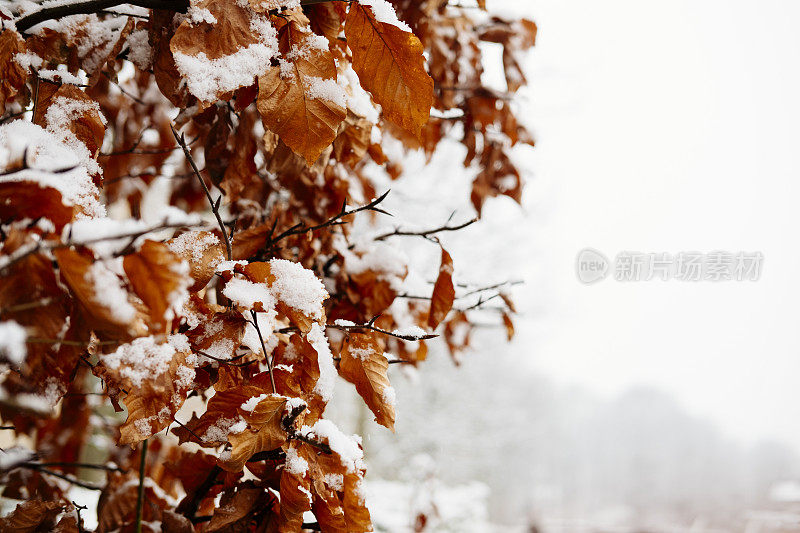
x=668 y=127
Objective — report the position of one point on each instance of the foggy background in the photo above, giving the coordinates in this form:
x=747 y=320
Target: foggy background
x=649 y=406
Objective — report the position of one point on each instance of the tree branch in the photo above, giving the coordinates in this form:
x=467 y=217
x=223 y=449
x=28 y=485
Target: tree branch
x=214 y=205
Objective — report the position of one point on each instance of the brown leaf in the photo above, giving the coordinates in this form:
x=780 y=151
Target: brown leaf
x=31 y=516
x=234 y=507
x=295 y=489
x=156 y=378
x=264 y=432
x=33 y=200
x=299 y=100
x=12 y=75
x=219 y=335
x=509 y=326
x=203 y=250
x=364 y=365
x=160 y=278
x=390 y=65
x=79 y=114
x=443 y=292
x=232 y=32
x=99 y=291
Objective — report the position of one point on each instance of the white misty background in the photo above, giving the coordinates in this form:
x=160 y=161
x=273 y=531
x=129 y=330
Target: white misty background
x=660 y=406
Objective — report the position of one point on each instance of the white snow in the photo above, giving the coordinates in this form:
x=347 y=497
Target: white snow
x=109 y=292
x=193 y=244
x=206 y=78
x=327 y=371
x=12 y=342
x=245 y=294
x=325 y=89
x=253 y=402
x=384 y=12
x=294 y=463
x=298 y=287
x=45 y=152
x=145 y=358
x=346 y=447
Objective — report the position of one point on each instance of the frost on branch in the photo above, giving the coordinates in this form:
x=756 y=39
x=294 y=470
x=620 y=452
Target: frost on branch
x=193 y=206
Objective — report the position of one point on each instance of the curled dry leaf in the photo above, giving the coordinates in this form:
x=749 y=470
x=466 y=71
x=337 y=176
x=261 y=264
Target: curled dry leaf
x=12 y=75
x=31 y=516
x=299 y=99
x=203 y=250
x=364 y=365
x=99 y=290
x=390 y=64
x=443 y=292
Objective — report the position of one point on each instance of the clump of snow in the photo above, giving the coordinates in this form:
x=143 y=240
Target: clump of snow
x=389 y=396
x=145 y=358
x=384 y=12
x=206 y=78
x=266 y=324
x=12 y=457
x=109 y=292
x=12 y=342
x=345 y=447
x=298 y=287
x=61 y=114
x=193 y=244
x=410 y=331
x=343 y=323
x=294 y=463
x=223 y=427
x=325 y=89
x=389 y=262
x=358 y=100
x=253 y=402
x=45 y=154
x=245 y=293
x=196 y=15
x=327 y=371
x=28 y=59
x=228 y=266
x=139 y=51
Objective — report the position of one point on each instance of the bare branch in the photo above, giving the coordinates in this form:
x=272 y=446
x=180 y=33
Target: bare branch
x=426 y=233
x=214 y=205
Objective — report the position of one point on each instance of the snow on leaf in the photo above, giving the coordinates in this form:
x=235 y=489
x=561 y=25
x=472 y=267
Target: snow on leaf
x=203 y=250
x=157 y=377
x=12 y=74
x=217 y=58
x=299 y=99
x=390 y=65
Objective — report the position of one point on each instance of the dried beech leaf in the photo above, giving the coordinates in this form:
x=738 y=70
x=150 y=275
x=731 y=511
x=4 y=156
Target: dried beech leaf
x=443 y=292
x=299 y=100
x=390 y=65
x=160 y=278
x=364 y=365
x=31 y=516
x=12 y=75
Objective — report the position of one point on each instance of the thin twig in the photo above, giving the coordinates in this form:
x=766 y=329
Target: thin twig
x=426 y=233
x=140 y=495
x=264 y=348
x=300 y=228
x=214 y=205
